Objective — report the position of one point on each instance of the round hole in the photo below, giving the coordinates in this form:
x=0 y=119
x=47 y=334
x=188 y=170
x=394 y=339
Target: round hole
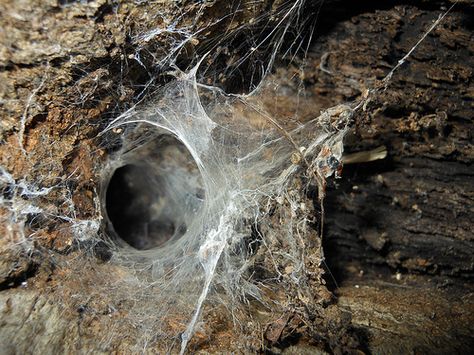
x=152 y=198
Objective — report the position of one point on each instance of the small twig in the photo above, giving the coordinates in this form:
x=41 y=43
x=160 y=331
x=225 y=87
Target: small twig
x=365 y=156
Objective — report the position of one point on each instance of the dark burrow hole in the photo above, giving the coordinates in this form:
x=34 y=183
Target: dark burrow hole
x=151 y=200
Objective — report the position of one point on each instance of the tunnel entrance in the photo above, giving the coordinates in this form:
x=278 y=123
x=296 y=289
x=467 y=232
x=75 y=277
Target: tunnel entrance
x=155 y=195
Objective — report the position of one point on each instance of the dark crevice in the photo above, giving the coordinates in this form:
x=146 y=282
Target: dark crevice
x=16 y=278
x=368 y=222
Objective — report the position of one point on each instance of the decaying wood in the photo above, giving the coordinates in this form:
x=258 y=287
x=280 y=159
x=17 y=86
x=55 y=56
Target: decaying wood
x=399 y=238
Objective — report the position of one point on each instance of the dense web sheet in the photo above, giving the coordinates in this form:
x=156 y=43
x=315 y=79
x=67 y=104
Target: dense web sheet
x=244 y=161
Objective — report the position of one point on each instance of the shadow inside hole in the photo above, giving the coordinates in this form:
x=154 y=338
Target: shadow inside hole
x=153 y=199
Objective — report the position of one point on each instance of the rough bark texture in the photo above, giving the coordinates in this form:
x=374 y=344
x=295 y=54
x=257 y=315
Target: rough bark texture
x=398 y=235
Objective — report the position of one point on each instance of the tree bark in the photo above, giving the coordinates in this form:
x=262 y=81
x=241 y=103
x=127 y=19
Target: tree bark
x=398 y=240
